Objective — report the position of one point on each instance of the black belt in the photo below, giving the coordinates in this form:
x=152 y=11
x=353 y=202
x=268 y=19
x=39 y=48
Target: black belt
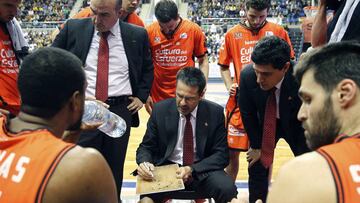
x=117 y=100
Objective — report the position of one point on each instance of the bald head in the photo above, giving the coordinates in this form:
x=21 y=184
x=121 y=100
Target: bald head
x=8 y=9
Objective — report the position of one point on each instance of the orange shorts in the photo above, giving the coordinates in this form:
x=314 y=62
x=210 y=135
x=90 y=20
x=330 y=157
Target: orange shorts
x=236 y=135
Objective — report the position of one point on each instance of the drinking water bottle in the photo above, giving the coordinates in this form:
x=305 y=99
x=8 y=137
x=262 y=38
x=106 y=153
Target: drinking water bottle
x=113 y=125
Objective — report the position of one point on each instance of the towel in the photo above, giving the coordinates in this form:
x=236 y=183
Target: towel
x=17 y=37
x=343 y=21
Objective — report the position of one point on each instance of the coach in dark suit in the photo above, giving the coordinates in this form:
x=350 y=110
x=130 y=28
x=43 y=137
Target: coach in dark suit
x=128 y=74
x=165 y=140
x=271 y=73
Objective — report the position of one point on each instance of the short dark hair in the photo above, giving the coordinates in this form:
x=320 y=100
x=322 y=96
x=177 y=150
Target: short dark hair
x=166 y=10
x=193 y=77
x=47 y=79
x=331 y=64
x=118 y=5
x=271 y=50
x=258 y=5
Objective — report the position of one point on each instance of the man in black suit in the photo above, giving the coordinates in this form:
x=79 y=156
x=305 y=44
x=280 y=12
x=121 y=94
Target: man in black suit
x=271 y=73
x=165 y=140
x=129 y=77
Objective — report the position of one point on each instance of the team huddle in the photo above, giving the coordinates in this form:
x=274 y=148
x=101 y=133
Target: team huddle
x=105 y=53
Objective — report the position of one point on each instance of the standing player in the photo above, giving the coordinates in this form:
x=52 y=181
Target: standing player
x=174 y=43
x=237 y=48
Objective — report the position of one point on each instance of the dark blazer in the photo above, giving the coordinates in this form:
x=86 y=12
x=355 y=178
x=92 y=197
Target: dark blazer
x=252 y=103
x=162 y=132
x=76 y=37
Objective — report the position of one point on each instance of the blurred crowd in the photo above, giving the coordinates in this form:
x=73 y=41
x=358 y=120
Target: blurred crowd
x=45 y=10
x=288 y=11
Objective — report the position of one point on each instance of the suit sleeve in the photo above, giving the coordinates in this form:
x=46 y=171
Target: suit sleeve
x=147 y=77
x=249 y=112
x=60 y=40
x=218 y=157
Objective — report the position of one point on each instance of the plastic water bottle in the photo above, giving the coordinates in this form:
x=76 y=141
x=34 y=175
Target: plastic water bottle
x=113 y=125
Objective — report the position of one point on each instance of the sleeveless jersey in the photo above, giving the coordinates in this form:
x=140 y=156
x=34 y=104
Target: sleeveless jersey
x=237 y=48
x=86 y=12
x=343 y=158
x=27 y=161
x=9 y=69
x=171 y=55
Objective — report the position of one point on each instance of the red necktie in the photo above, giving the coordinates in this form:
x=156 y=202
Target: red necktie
x=268 y=139
x=188 y=145
x=101 y=92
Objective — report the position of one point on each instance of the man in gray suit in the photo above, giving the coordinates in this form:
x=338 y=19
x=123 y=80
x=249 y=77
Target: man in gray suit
x=119 y=71
x=189 y=131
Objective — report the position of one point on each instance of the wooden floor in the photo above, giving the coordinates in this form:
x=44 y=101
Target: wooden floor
x=282 y=153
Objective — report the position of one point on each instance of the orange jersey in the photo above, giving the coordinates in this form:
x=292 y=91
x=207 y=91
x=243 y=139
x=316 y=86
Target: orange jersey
x=344 y=161
x=239 y=44
x=9 y=69
x=86 y=12
x=134 y=19
x=170 y=55
x=27 y=161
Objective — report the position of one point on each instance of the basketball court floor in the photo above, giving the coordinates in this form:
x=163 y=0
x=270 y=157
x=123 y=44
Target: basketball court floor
x=216 y=92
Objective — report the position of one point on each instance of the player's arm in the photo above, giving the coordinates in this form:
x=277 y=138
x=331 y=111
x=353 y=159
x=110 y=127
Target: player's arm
x=319 y=28
x=226 y=76
x=204 y=65
x=82 y=175
x=305 y=179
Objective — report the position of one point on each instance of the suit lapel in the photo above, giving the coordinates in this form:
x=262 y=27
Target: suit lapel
x=85 y=40
x=171 y=127
x=202 y=125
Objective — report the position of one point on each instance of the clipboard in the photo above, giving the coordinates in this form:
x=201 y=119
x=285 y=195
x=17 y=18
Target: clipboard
x=164 y=181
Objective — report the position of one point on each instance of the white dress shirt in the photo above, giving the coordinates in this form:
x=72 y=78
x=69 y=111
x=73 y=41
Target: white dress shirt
x=277 y=96
x=119 y=81
x=177 y=155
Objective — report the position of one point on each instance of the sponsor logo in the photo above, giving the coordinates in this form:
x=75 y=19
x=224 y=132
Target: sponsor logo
x=157 y=39
x=183 y=35
x=269 y=33
x=251 y=42
x=238 y=35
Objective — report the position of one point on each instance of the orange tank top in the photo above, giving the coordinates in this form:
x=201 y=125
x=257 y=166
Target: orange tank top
x=343 y=158
x=9 y=70
x=27 y=161
x=171 y=55
x=240 y=41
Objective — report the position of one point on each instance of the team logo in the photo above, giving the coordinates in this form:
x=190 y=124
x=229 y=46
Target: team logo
x=157 y=39
x=269 y=33
x=238 y=35
x=183 y=35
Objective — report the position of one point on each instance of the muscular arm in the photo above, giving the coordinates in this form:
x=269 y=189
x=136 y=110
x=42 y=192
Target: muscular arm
x=319 y=28
x=81 y=176
x=204 y=65
x=305 y=179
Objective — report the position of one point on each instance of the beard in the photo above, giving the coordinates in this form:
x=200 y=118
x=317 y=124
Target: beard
x=325 y=130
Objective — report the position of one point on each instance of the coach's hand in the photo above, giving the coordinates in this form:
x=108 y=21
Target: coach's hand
x=253 y=155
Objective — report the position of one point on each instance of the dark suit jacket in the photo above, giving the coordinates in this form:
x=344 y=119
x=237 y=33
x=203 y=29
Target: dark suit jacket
x=252 y=103
x=76 y=37
x=162 y=132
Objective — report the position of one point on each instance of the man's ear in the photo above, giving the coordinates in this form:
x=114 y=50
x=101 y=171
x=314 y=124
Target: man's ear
x=203 y=93
x=76 y=102
x=346 y=92
x=286 y=67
